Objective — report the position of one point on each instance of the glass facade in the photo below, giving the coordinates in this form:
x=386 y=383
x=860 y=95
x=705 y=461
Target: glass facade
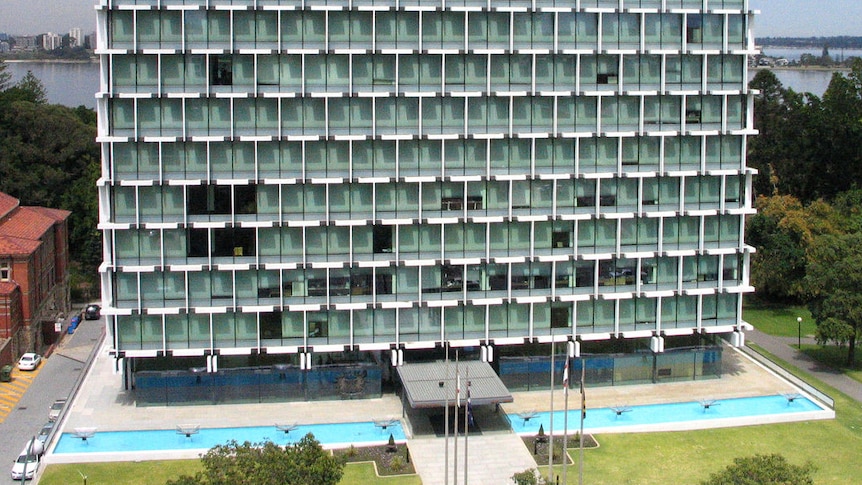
x=324 y=176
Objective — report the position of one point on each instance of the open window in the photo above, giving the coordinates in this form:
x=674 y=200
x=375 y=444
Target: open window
x=383 y=239
x=216 y=199
x=270 y=325
x=561 y=315
x=452 y=278
x=561 y=239
x=197 y=241
x=221 y=70
x=234 y=241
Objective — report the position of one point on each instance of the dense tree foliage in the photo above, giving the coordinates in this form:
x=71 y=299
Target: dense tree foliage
x=5 y=76
x=49 y=157
x=835 y=277
x=808 y=230
x=763 y=470
x=267 y=464
x=808 y=147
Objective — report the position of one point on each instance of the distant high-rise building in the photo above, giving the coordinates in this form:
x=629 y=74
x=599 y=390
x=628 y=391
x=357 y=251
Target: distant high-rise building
x=25 y=43
x=76 y=37
x=301 y=180
x=51 y=41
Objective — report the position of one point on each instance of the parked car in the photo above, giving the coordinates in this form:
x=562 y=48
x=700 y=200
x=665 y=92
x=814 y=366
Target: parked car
x=27 y=463
x=92 y=312
x=45 y=431
x=29 y=361
x=55 y=409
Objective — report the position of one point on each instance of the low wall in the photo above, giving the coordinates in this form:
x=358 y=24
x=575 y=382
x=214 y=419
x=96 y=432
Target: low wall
x=6 y=352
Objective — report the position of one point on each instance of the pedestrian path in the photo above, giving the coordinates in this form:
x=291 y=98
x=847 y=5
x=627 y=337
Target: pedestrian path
x=785 y=349
x=492 y=458
x=11 y=392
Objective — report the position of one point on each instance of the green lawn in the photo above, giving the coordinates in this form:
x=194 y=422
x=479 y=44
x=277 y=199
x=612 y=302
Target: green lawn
x=127 y=473
x=689 y=457
x=778 y=320
x=158 y=472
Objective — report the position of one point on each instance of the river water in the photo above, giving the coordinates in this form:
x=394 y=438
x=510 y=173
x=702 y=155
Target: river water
x=75 y=84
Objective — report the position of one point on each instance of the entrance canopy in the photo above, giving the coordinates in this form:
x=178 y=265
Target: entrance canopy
x=433 y=384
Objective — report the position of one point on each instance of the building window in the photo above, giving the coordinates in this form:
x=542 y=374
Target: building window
x=561 y=239
x=694 y=30
x=216 y=199
x=5 y=272
x=222 y=71
x=228 y=242
x=234 y=241
x=561 y=315
x=382 y=239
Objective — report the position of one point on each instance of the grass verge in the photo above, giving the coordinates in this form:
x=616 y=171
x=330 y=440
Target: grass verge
x=159 y=472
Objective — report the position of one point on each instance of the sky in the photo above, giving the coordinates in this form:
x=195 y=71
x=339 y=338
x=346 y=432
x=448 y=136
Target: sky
x=779 y=18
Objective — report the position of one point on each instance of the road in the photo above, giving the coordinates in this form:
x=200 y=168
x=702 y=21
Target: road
x=59 y=376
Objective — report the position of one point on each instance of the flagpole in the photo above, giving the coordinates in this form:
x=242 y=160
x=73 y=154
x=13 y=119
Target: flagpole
x=583 y=415
x=457 y=407
x=466 y=423
x=551 y=425
x=446 y=420
x=566 y=417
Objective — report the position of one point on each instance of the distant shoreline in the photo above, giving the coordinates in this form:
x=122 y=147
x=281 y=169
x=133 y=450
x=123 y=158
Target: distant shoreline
x=53 y=61
x=801 y=68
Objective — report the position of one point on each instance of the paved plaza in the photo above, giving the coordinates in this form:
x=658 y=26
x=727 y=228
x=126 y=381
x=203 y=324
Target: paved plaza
x=495 y=454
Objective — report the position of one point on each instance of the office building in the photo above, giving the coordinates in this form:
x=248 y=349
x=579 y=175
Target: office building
x=306 y=182
x=34 y=277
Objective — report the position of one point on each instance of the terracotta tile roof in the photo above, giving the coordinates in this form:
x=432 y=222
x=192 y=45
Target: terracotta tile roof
x=26 y=223
x=7 y=204
x=16 y=246
x=7 y=287
x=57 y=214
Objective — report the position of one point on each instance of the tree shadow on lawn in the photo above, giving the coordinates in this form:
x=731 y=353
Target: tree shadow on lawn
x=832 y=358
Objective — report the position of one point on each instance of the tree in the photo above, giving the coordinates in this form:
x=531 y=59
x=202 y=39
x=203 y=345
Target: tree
x=782 y=232
x=29 y=88
x=763 y=470
x=5 y=76
x=267 y=463
x=49 y=157
x=833 y=279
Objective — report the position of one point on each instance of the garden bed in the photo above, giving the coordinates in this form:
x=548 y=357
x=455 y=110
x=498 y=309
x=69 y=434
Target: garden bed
x=539 y=449
x=387 y=462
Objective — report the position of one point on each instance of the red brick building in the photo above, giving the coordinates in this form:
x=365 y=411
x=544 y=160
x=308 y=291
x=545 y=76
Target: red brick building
x=34 y=276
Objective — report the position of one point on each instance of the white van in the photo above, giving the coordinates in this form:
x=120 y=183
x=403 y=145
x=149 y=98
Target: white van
x=28 y=460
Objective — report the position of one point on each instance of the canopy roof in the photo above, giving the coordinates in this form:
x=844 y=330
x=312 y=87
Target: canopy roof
x=433 y=384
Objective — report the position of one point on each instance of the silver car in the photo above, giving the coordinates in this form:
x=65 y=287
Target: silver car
x=55 y=409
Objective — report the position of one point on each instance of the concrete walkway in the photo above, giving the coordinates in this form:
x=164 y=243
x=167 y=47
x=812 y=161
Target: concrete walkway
x=785 y=349
x=492 y=459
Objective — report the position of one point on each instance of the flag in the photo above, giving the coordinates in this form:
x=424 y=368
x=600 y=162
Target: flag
x=457 y=389
x=566 y=375
x=583 y=401
x=469 y=408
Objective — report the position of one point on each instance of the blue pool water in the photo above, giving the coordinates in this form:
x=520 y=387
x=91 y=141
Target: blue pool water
x=662 y=413
x=366 y=433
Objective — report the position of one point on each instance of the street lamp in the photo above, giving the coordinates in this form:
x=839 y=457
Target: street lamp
x=799 y=332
